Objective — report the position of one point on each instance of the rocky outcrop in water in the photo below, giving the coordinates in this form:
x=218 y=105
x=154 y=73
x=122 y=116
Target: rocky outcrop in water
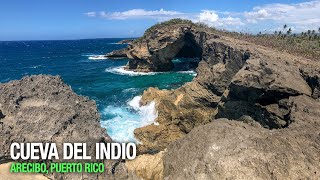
x=126 y=41
x=121 y=53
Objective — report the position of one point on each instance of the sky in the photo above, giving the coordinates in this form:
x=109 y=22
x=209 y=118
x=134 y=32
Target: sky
x=82 y=19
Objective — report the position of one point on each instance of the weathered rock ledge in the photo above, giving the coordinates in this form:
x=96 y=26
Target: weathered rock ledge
x=273 y=95
x=236 y=80
x=43 y=109
x=121 y=53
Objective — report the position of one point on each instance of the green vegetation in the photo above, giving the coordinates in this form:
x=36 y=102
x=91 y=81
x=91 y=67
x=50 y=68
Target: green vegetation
x=305 y=44
x=150 y=30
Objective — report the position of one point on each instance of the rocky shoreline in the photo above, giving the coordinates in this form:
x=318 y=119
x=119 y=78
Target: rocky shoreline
x=250 y=113
x=269 y=98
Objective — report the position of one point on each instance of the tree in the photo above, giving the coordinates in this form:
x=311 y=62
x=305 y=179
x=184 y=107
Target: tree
x=285 y=26
x=279 y=33
x=309 y=32
x=313 y=32
x=289 y=31
x=275 y=32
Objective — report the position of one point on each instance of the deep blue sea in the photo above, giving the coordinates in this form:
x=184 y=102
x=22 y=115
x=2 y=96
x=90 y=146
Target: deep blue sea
x=116 y=91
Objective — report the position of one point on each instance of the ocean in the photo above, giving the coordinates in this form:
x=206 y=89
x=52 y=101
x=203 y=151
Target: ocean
x=116 y=91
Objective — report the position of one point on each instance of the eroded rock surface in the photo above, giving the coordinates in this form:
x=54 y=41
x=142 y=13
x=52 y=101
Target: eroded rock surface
x=44 y=109
x=225 y=149
x=121 y=53
x=235 y=80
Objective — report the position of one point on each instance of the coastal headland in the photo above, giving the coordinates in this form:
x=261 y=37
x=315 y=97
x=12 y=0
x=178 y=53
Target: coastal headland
x=251 y=112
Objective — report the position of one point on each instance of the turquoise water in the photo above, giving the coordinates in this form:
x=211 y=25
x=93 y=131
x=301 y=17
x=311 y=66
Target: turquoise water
x=116 y=91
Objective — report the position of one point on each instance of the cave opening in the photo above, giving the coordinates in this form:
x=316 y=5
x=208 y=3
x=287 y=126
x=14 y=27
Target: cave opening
x=188 y=56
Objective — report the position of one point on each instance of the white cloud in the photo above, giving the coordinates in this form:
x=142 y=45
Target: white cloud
x=207 y=16
x=91 y=14
x=140 y=14
x=212 y=19
x=300 y=15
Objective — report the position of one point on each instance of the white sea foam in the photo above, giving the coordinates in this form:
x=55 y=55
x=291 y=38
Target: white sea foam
x=35 y=67
x=124 y=120
x=121 y=71
x=191 y=72
x=97 y=57
x=130 y=90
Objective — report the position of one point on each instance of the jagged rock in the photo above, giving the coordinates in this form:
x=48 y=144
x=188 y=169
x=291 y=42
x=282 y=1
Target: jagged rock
x=312 y=76
x=44 y=109
x=155 y=52
x=234 y=79
x=157 y=138
x=121 y=53
x=225 y=149
x=147 y=167
x=5 y=174
x=261 y=90
x=126 y=41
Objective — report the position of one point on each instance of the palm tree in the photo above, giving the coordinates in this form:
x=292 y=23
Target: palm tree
x=309 y=32
x=313 y=32
x=285 y=26
x=279 y=33
x=289 y=31
x=275 y=32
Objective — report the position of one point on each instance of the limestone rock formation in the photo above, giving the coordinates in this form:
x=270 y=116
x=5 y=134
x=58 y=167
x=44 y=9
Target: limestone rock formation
x=147 y=167
x=121 y=53
x=126 y=41
x=225 y=149
x=235 y=80
x=44 y=109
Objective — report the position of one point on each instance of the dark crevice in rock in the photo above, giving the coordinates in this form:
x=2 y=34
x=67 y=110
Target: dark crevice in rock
x=190 y=49
x=114 y=166
x=238 y=109
x=2 y=115
x=312 y=77
x=313 y=80
x=20 y=99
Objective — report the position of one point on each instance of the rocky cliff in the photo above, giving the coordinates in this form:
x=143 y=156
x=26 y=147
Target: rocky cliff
x=44 y=109
x=250 y=113
x=236 y=80
x=268 y=101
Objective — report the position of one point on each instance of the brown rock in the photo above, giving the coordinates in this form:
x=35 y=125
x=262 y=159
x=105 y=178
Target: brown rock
x=121 y=53
x=225 y=149
x=147 y=167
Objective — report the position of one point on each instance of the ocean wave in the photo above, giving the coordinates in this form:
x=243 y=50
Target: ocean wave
x=121 y=71
x=191 y=72
x=117 y=43
x=130 y=90
x=122 y=121
x=97 y=57
x=35 y=67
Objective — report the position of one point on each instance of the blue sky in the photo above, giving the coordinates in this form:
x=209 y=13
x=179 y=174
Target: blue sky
x=78 y=19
